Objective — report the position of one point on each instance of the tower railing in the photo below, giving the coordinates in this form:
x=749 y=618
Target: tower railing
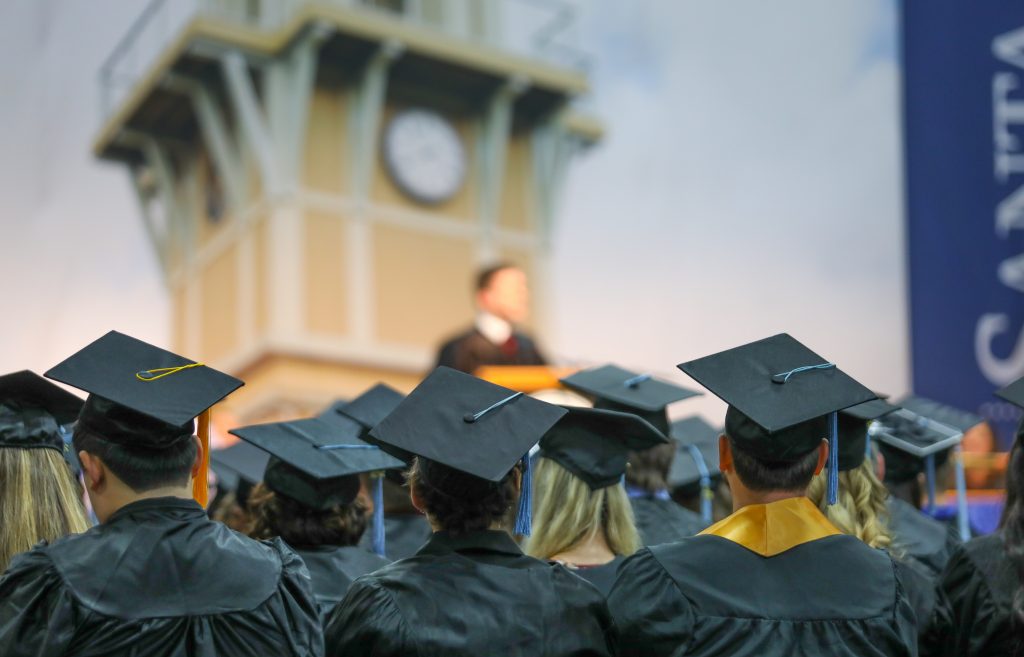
x=539 y=29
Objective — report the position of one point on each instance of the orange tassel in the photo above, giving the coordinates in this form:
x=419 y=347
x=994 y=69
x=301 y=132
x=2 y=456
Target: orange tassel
x=200 y=484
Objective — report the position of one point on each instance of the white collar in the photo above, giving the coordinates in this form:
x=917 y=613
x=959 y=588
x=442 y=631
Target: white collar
x=495 y=329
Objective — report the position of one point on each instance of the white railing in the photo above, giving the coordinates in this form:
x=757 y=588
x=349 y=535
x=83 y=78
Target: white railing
x=540 y=29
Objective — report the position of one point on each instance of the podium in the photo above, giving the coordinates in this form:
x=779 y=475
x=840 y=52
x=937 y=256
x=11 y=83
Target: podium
x=524 y=378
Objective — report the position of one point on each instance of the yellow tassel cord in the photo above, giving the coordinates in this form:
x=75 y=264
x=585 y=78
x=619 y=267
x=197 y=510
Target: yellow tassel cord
x=152 y=375
x=200 y=488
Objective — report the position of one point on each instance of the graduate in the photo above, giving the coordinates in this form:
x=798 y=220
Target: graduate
x=926 y=540
x=658 y=518
x=156 y=576
x=583 y=518
x=775 y=577
x=39 y=499
x=405 y=527
x=470 y=590
x=239 y=469
x=860 y=511
x=984 y=578
x=311 y=498
x=694 y=477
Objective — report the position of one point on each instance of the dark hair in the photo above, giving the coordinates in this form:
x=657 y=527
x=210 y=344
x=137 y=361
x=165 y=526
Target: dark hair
x=757 y=474
x=487 y=274
x=459 y=502
x=648 y=469
x=274 y=514
x=1012 y=524
x=141 y=468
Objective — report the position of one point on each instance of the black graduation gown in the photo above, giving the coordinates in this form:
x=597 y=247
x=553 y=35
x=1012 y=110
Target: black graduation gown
x=708 y=595
x=470 y=350
x=981 y=583
x=472 y=594
x=928 y=541
x=158 y=579
x=404 y=533
x=663 y=521
x=333 y=569
x=931 y=607
x=602 y=577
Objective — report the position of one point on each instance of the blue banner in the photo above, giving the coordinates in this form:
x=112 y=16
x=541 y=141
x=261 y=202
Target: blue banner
x=963 y=76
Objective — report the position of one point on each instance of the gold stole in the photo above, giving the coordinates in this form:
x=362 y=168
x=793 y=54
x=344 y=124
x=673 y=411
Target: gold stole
x=771 y=529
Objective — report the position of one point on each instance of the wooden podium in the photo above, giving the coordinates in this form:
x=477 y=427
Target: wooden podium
x=525 y=378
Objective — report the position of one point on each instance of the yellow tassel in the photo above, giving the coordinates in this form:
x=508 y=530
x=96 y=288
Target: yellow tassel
x=151 y=375
x=200 y=487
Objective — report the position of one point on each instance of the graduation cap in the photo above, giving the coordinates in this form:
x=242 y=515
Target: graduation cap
x=368 y=409
x=239 y=468
x=33 y=410
x=470 y=425
x=594 y=444
x=618 y=389
x=944 y=413
x=142 y=396
x=695 y=463
x=910 y=440
x=317 y=463
x=854 y=423
x=783 y=398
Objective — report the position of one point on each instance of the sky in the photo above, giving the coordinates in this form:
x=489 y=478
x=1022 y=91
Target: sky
x=749 y=183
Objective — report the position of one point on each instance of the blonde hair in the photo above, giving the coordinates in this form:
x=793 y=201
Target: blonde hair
x=861 y=510
x=567 y=512
x=39 y=500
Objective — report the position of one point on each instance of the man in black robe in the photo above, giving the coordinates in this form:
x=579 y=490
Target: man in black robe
x=156 y=577
x=502 y=301
x=775 y=577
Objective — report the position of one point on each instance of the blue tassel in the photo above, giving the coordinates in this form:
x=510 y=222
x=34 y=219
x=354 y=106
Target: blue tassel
x=524 y=515
x=929 y=473
x=706 y=494
x=963 y=520
x=833 y=458
x=378 y=514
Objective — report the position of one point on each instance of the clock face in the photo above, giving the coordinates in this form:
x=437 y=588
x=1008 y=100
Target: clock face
x=424 y=155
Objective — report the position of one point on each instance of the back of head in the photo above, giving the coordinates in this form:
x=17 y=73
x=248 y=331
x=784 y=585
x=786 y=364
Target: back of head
x=458 y=502
x=860 y=510
x=569 y=512
x=299 y=525
x=39 y=500
x=1012 y=524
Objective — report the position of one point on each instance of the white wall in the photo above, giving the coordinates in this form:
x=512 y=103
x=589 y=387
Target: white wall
x=749 y=184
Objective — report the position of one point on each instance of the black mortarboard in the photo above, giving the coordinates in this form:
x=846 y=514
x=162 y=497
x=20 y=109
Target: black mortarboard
x=470 y=425
x=140 y=395
x=853 y=431
x=368 y=409
x=241 y=462
x=594 y=444
x=32 y=411
x=907 y=438
x=779 y=394
x=315 y=462
x=946 y=414
x=697 y=432
x=618 y=389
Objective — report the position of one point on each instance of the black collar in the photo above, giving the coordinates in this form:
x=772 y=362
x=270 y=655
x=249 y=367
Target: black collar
x=486 y=540
x=158 y=506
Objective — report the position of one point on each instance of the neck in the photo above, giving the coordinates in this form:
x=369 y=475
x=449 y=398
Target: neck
x=591 y=551
x=114 y=500
x=742 y=496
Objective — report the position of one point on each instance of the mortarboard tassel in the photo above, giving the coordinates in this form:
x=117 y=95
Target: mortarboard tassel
x=525 y=512
x=833 y=458
x=200 y=484
x=378 y=513
x=963 y=521
x=706 y=494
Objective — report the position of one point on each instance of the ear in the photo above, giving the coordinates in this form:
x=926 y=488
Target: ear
x=94 y=470
x=822 y=457
x=197 y=464
x=417 y=501
x=724 y=454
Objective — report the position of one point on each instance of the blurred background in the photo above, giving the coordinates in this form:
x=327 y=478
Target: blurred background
x=239 y=181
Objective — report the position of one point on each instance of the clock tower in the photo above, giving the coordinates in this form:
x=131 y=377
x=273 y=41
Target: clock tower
x=321 y=179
